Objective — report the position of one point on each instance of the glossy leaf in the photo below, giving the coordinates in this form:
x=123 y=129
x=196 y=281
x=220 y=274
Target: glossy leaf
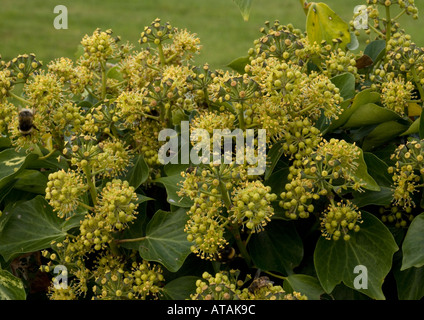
x=413 y=245
x=239 y=64
x=180 y=288
x=409 y=283
x=361 y=174
x=284 y=248
x=31 y=181
x=370 y=114
x=323 y=24
x=305 y=284
x=30 y=226
x=11 y=287
x=165 y=240
x=138 y=173
x=346 y=84
x=383 y=197
x=421 y=128
x=382 y=134
x=12 y=163
x=335 y=261
x=363 y=97
x=172 y=187
x=273 y=156
x=376 y=50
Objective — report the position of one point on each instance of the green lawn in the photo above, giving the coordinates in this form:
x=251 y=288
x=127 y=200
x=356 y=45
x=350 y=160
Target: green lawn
x=27 y=25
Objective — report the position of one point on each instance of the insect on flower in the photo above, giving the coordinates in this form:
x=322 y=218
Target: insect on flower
x=26 y=121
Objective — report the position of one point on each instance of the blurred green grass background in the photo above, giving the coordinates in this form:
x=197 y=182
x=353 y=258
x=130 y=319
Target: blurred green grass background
x=27 y=25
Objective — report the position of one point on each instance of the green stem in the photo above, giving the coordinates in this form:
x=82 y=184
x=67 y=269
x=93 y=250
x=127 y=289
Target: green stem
x=388 y=27
x=276 y=275
x=376 y=31
x=242 y=124
x=417 y=82
x=47 y=155
x=234 y=229
x=168 y=117
x=82 y=204
x=119 y=241
x=91 y=186
x=92 y=93
x=304 y=5
x=104 y=80
x=399 y=15
x=225 y=195
x=170 y=58
x=161 y=55
x=24 y=101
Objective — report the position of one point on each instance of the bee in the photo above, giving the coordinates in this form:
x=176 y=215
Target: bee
x=259 y=282
x=226 y=254
x=26 y=122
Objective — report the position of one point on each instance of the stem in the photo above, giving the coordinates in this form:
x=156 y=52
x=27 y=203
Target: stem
x=376 y=31
x=92 y=93
x=168 y=117
x=161 y=55
x=242 y=124
x=82 y=204
x=170 y=58
x=225 y=195
x=248 y=238
x=399 y=15
x=47 y=155
x=276 y=275
x=91 y=186
x=388 y=27
x=119 y=241
x=104 y=80
x=305 y=6
x=240 y=245
x=417 y=82
x=24 y=101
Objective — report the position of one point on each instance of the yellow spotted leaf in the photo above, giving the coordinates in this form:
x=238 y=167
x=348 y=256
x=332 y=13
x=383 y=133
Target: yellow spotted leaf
x=322 y=23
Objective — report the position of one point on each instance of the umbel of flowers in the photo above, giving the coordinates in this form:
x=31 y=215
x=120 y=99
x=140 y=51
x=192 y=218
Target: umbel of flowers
x=104 y=110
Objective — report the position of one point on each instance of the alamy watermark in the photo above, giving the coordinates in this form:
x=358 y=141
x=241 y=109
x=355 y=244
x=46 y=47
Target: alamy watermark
x=361 y=280
x=61 y=280
x=361 y=17
x=246 y=150
x=61 y=20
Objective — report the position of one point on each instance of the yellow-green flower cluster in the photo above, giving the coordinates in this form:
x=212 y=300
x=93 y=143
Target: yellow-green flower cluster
x=407 y=5
x=23 y=65
x=396 y=95
x=399 y=217
x=252 y=205
x=44 y=91
x=407 y=172
x=300 y=138
x=209 y=187
x=7 y=111
x=297 y=198
x=6 y=83
x=340 y=220
x=113 y=282
x=226 y=286
x=117 y=205
x=114 y=158
x=340 y=62
x=99 y=48
x=77 y=77
x=64 y=190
